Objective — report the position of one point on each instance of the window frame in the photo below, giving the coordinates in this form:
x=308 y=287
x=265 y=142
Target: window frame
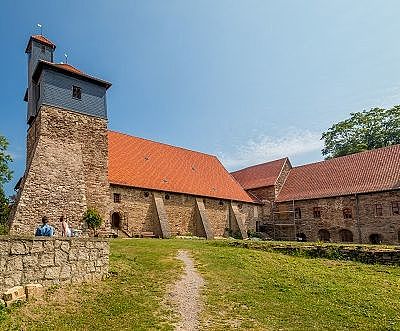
x=117 y=197
x=297 y=213
x=395 y=208
x=347 y=213
x=317 y=212
x=78 y=89
x=378 y=207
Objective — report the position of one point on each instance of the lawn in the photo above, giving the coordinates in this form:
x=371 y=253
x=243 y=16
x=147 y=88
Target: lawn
x=245 y=289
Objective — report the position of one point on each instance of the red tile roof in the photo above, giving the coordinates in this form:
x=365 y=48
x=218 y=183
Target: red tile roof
x=40 y=39
x=260 y=175
x=142 y=163
x=68 y=67
x=369 y=171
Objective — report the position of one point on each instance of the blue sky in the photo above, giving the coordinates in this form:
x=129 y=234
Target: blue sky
x=248 y=81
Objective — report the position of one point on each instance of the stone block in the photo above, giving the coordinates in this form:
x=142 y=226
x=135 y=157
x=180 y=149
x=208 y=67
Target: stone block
x=4 y=247
x=65 y=246
x=65 y=272
x=83 y=256
x=52 y=273
x=61 y=258
x=30 y=261
x=47 y=260
x=33 y=291
x=73 y=254
x=15 y=263
x=37 y=247
x=18 y=248
x=48 y=245
x=14 y=294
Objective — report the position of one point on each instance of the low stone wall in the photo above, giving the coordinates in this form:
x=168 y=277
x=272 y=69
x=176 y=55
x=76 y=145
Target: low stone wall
x=360 y=253
x=50 y=261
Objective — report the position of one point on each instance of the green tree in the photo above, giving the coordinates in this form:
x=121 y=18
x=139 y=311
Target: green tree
x=363 y=131
x=5 y=176
x=92 y=219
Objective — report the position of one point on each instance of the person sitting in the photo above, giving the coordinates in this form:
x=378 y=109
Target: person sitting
x=44 y=230
x=65 y=229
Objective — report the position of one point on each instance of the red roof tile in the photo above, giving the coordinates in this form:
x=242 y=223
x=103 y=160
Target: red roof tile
x=69 y=67
x=142 y=163
x=369 y=171
x=260 y=175
x=40 y=39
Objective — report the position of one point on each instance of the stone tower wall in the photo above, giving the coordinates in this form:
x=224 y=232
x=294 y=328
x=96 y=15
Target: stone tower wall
x=66 y=170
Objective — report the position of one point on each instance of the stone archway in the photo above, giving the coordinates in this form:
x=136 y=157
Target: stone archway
x=116 y=220
x=375 y=238
x=346 y=236
x=324 y=235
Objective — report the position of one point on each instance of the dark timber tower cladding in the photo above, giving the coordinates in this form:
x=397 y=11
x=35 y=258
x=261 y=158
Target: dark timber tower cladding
x=67 y=147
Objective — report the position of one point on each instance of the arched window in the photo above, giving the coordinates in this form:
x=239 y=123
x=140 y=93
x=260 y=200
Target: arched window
x=115 y=221
x=324 y=235
x=346 y=236
x=375 y=238
x=301 y=237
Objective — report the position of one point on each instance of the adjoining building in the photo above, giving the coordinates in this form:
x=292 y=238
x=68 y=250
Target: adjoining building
x=354 y=198
x=139 y=186
x=142 y=187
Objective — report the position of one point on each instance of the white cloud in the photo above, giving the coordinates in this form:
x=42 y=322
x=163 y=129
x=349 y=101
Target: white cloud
x=265 y=148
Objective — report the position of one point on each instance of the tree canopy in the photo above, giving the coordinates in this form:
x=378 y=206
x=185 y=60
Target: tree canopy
x=5 y=176
x=366 y=130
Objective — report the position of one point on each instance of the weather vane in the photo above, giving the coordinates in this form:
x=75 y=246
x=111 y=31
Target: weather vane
x=66 y=57
x=41 y=28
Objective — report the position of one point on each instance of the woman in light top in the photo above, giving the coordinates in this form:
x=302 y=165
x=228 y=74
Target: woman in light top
x=65 y=229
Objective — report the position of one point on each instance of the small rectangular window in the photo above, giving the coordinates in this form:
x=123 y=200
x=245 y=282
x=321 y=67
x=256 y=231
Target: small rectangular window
x=378 y=209
x=76 y=92
x=395 y=208
x=43 y=48
x=117 y=197
x=297 y=213
x=347 y=213
x=317 y=212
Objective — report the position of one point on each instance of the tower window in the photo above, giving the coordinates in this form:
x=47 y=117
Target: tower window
x=117 y=197
x=76 y=92
x=43 y=48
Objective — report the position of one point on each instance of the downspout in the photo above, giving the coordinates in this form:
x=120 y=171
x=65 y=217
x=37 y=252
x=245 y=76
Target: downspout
x=358 y=218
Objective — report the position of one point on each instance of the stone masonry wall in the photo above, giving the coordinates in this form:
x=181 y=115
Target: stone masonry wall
x=50 y=261
x=364 y=221
x=67 y=173
x=138 y=213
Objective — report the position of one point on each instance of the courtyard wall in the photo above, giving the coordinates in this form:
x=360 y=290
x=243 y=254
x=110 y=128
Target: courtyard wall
x=51 y=261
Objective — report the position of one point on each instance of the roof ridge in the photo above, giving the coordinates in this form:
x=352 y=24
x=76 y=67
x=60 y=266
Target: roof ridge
x=165 y=144
x=260 y=164
x=346 y=156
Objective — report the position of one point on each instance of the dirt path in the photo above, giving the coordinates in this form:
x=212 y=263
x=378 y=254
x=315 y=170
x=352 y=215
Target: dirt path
x=186 y=295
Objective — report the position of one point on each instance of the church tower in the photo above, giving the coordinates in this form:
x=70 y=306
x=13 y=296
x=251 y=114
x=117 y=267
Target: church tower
x=67 y=146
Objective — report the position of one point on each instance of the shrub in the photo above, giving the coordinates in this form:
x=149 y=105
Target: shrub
x=92 y=219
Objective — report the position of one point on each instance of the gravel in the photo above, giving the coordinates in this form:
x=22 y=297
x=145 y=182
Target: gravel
x=186 y=295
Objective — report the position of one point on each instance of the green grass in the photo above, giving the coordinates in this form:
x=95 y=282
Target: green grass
x=245 y=290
